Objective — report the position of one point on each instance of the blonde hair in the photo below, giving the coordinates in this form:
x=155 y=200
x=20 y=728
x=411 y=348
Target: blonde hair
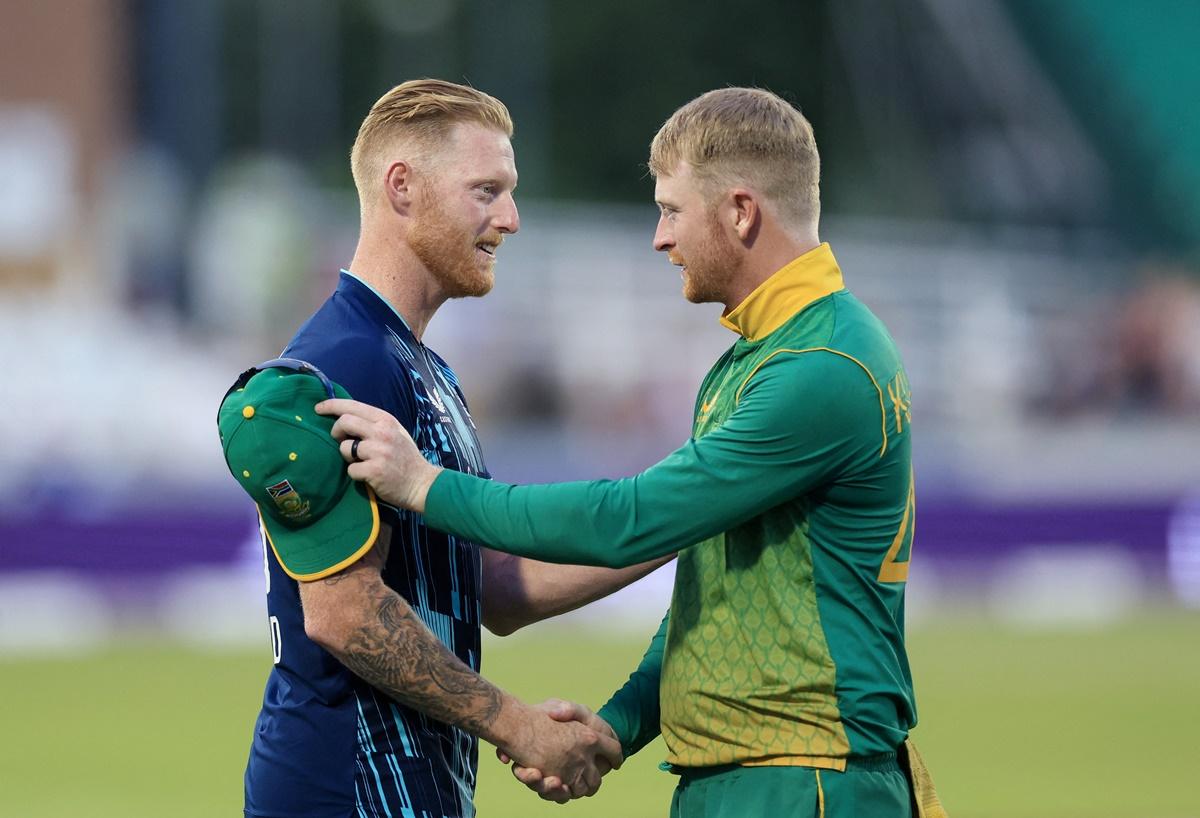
x=750 y=136
x=422 y=111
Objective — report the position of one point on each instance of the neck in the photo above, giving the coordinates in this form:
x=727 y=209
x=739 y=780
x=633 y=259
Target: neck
x=393 y=270
x=771 y=251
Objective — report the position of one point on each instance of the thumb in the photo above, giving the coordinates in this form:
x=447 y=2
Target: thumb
x=560 y=710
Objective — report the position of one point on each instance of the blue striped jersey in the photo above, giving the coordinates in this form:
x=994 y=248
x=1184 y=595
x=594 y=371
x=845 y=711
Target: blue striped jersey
x=326 y=743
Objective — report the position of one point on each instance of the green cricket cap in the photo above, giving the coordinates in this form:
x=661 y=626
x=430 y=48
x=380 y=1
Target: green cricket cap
x=316 y=518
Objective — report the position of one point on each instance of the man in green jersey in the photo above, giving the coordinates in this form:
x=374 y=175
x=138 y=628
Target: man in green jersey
x=779 y=678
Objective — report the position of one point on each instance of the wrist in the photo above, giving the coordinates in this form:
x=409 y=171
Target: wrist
x=612 y=718
x=421 y=485
x=512 y=728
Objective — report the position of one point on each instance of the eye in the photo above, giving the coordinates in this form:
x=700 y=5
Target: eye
x=488 y=190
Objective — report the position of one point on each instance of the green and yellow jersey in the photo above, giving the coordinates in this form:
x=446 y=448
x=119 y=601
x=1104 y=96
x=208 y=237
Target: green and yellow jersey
x=792 y=508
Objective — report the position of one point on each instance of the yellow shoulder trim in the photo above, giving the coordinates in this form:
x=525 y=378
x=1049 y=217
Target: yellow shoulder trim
x=882 y=411
x=350 y=560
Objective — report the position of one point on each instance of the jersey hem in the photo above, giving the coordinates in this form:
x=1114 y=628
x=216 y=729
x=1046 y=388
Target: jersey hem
x=819 y=762
x=247 y=813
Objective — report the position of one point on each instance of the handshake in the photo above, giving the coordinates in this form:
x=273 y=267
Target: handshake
x=562 y=751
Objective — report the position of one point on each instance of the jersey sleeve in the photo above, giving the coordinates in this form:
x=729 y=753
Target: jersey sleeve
x=802 y=419
x=363 y=368
x=633 y=711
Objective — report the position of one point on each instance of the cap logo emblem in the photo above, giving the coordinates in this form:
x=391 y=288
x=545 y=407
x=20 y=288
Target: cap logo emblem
x=289 y=501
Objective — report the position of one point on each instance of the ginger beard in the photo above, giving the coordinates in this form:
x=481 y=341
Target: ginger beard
x=708 y=268
x=449 y=251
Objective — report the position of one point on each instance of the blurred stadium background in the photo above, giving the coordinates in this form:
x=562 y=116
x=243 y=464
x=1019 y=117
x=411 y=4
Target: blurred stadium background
x=1013 y=185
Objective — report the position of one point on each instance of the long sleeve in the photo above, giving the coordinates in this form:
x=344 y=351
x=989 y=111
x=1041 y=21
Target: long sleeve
x=633 y=711
x=801 y=419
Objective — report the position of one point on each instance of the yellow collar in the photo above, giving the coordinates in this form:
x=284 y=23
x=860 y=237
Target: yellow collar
x=799 y=283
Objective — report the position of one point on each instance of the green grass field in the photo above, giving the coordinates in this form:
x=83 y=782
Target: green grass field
x=1071 y=724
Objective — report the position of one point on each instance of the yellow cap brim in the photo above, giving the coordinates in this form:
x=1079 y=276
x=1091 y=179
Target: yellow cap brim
x=338 y=539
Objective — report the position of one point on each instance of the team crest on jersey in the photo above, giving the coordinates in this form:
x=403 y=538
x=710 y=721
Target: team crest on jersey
x=288 y=500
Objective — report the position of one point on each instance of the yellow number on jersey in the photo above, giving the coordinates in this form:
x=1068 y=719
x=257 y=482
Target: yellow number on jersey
x=891 y=570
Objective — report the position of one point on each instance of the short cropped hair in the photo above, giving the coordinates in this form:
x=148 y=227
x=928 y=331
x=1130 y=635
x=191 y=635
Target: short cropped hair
x=750 y=136
x=423 y=111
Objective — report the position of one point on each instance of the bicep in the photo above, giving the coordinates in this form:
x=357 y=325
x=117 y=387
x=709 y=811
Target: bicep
x=331 y=605
x=502 y=586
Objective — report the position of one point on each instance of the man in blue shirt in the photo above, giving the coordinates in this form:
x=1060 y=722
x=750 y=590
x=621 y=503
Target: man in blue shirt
x=374 y=706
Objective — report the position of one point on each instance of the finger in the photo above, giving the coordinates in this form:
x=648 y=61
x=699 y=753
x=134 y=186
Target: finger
x=579 y=788
x=584 y=715
x=560 y=710
x=348 y=426
x=364 y=452
x=591 y=781
x=591 y=791
x=503 y=756
x=595 y=774
x=558 y=793
x=598 y=724
x=549 y=788
x=343 y=406
x=527 y=775
x=609 y=749
x=361 y=471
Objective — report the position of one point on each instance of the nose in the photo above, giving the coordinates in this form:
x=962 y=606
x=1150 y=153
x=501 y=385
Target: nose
x=506 y=218
x=663 y=238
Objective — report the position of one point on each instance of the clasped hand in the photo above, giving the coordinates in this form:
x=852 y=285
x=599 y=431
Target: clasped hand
x=547 y=780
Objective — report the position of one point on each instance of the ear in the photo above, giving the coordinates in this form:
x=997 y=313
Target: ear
x=398 y=183
x=744 y=212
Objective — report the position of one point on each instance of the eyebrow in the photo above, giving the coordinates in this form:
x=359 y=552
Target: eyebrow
x=499 y=179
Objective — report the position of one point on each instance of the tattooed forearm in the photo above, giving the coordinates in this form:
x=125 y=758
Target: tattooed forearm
x=373 y=632
x=394 y=651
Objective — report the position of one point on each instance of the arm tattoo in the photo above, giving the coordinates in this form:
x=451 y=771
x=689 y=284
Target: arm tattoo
x=395 y=652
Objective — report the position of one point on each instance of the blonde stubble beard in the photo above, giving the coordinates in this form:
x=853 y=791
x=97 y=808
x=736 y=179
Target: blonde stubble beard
x=449 y=253
x=710 y=267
